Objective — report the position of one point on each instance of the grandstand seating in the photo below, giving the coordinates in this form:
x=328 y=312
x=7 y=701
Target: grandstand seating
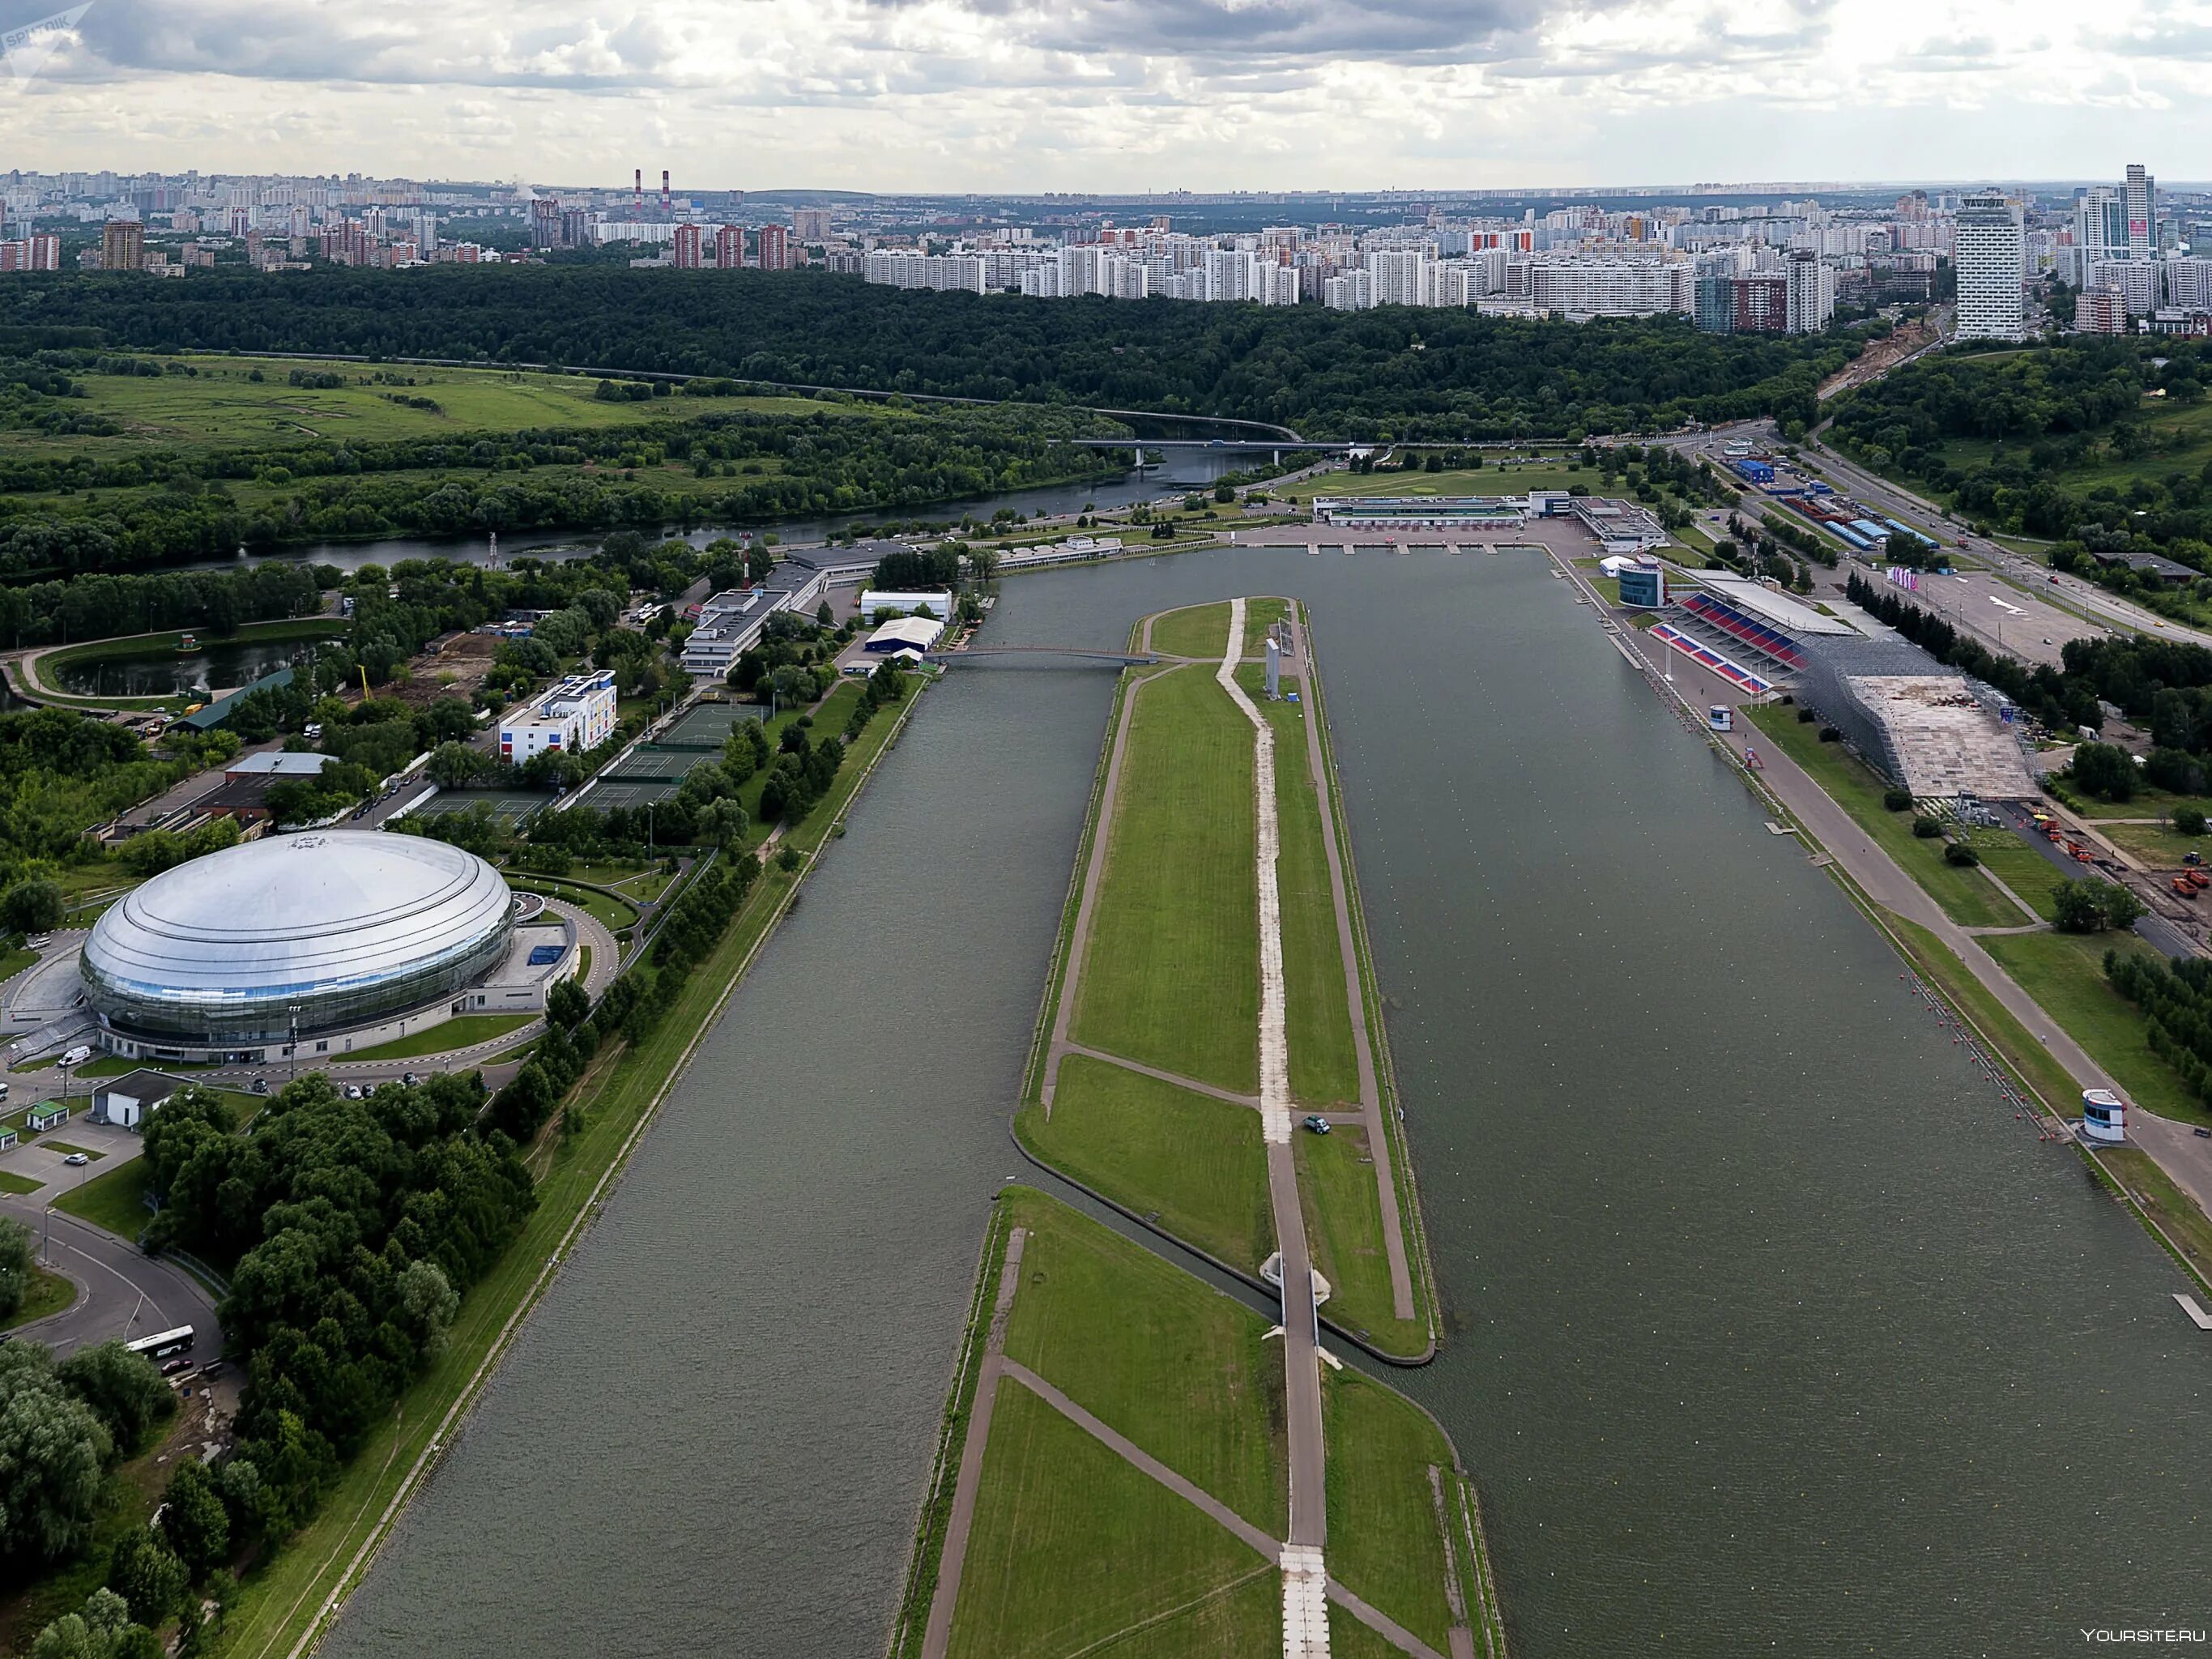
x=1760 y=636
x=1699 y=651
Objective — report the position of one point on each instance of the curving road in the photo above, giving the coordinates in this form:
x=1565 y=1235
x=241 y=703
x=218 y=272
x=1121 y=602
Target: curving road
x=121 y=1291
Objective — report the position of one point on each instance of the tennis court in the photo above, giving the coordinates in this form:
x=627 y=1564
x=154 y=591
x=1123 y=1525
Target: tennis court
x=510 y=806
x=611 y=791
x=708 y=725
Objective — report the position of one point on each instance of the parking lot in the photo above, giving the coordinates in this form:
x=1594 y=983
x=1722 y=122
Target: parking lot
x=43 y=1158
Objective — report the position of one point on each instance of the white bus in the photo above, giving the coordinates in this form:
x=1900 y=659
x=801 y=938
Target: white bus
x=165 y=1345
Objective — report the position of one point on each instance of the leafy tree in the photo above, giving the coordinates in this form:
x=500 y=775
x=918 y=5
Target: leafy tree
x=2091 y=906
x=2189 y=821
x=125 y=1388
x=146 y=1573
x=2105 y=771
x=566 y=1004
x=456 y=765
x=15 y=1265
x=103 y=1630
x=428 y=1302
x=34 y=906
x=194 y=1522
x=52 y=1449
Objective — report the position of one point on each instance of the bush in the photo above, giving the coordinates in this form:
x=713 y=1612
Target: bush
x=1805 y=716
x=2189 y=821
x=1829 y=734
x=1896 y=800
x=1926 y=829
x=1959 y=853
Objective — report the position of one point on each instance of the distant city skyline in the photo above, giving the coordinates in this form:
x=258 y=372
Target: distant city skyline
x=998 y=96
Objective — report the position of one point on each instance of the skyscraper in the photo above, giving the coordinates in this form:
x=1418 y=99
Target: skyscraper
x=1988 y=254
x=122 y=246
x=775 y=247
x=1811 y=294
x=2140 y=191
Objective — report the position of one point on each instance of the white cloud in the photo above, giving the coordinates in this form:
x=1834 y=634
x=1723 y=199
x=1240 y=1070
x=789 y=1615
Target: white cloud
x=997 y=94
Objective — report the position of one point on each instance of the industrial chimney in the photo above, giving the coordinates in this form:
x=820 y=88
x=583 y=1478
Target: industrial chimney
x=664 y=209
x=640 y=192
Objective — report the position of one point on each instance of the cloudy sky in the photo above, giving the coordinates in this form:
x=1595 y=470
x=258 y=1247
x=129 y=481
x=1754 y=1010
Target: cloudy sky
x=1114 y=95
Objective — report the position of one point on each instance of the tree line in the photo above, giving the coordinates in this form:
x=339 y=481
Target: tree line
x=1395 y=373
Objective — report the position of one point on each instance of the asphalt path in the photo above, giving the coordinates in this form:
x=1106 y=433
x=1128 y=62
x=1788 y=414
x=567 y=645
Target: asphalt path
x=122 y=1291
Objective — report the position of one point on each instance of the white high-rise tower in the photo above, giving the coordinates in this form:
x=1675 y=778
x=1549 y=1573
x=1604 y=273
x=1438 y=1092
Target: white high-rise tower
x=1987 y=251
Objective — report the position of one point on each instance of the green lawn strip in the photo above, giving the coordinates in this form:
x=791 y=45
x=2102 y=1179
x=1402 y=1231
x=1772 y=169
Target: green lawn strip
x=1179 y=1368
x=1260 y=615
x=1344 y=1229
x=2185 y=1226
x=1384 y=1543
x=1411 y=1223
x=2158 y=845
x=2021 y=868
x=279 y=1603
x=115 y=1201
x=1056 y=978
x=13 y=960
x=64 y=1146
x=116 y=1066
x=1964 y=895
x=2065 y=975
x=1468 y=481
x=583 y=974
x=1172 y=973
x=1186 y=1161
x=1324 y=1069
x=2145 y=804
x=20 y=1185
x=465 y=1032
x=611 y=913
x=1350 y=1639
x=1070 y=1546
x=1200 y=630
x=47 y=1295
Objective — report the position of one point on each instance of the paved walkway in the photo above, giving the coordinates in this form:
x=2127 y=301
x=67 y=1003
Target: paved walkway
x=1305 y=1575
x=1370 y=1093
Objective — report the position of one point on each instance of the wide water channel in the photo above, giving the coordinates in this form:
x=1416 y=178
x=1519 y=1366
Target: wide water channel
x=1771 y=1331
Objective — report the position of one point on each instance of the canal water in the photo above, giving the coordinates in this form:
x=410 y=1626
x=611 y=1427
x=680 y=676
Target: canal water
x=1770 y=1330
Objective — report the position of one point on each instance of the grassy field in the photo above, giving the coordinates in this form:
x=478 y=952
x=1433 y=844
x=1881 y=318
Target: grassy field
x=48 y=1294
x=1074 y=1551
x=2145 y=804
x=1192 y=1164
x=223 y=405
x=609 y=912
x=2182 y=1223
x=1177 y=907
x=20 y=1185
x=2065 y=974
x=1384 y=1542
x=1966 y=896
x=2020 y=867
x=2158 y=845
x=1260 y=616
x=1324 y=1069
x=465 y=1032
x=277 y=1604
x=1344 y=1229
x=1471 y=481
x=1201 y=630
x=1180 y=1369
x=115 y=1201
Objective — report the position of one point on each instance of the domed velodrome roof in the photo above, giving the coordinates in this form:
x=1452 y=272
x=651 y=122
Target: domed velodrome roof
x=338 y=917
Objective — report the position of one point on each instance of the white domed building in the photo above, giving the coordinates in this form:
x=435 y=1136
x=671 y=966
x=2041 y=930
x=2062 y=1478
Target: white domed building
x=240 y=955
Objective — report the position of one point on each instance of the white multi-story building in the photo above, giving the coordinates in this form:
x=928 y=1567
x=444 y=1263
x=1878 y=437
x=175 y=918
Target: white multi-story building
x=1352 y=291
x=911 y=268
x=1609 y=288
x=1987 y=251
x=2140 y=193
x=1120 y=277
x=1232 y=274
x=575 y=716
x=2187 y=282
x=2135 y=280
x=1812 y=293
x=1403 y=276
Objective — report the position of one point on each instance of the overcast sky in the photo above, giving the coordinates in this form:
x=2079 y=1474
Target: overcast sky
x=1123 y=94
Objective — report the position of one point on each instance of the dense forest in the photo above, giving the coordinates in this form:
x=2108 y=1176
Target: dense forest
x=170 y=506
x=2049 y=417
x=1396 y=372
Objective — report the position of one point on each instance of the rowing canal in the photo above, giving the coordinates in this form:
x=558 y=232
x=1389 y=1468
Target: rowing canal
x=1770 y=1330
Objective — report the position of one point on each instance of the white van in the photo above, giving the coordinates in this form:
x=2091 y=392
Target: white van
x=78 y=1056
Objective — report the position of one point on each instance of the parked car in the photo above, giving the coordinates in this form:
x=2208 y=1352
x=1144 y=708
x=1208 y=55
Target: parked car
x=76 y=1160
x=1316 y=1123
x=353 y=1091
x=411 y=1080
x=260 y=1085
x=170 y=1367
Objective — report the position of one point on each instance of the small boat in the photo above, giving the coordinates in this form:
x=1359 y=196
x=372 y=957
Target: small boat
x=188 y=645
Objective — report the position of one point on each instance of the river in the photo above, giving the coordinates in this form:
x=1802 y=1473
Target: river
x=1770 y=1330
x=1188 y=470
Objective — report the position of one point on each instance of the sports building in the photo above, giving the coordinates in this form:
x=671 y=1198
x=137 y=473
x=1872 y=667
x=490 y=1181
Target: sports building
x=304 y=934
